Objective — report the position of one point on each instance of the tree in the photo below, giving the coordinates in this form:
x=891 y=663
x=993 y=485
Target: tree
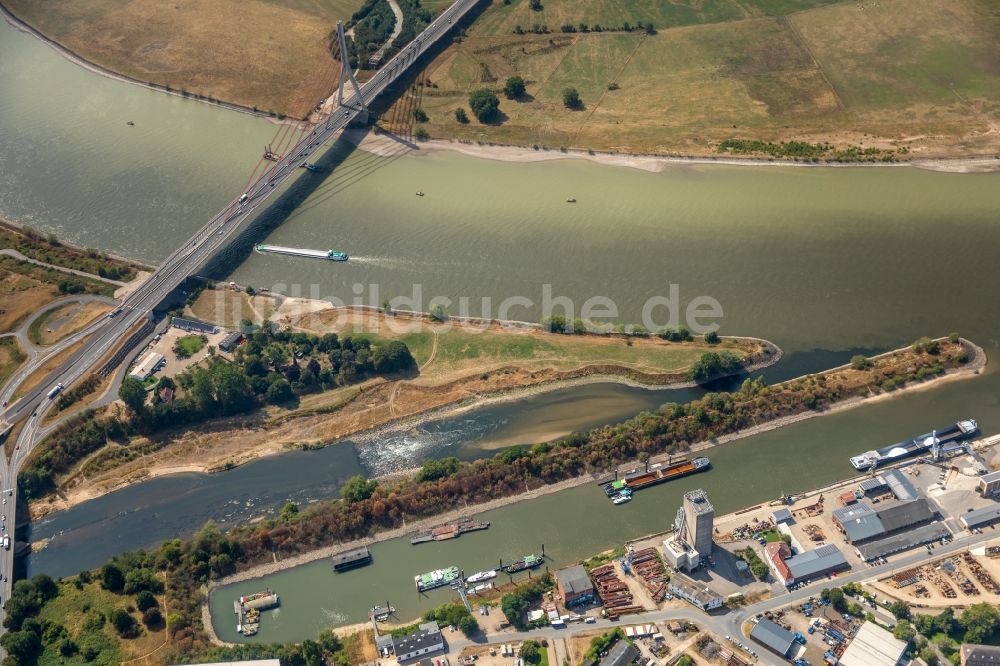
x=23 y=646
x=859 y=362
x=123 y=623
x=112 y=577
x=514 y=88
x=571 y=99
x=904 y=631
x=468 y=625
x=685 y=660
x=484 y=104
x=836 y=598
x=133 y=394
x=461 y=116
x=712 y=364
x=900 y=609
x=979 y=622
x=531 y=652
x=393 y=356
x=152 y=617
x=419 y=115
x=145 y=600
x=536 y=5
x=358 y=488
x=712 y=338
x=439 y=313
x=279 y=391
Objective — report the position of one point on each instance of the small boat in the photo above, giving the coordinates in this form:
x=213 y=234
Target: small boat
x=419 y=193
x=130 y=123
x=481 y=576
x=309 y=166
x=571 y=200
x=621 y=499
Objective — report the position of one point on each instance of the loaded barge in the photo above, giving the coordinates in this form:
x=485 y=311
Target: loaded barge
x=351 y=559
x=436 y=578
x=248 y=610
x=449 y=531
x=621 y=489
x=331 y=255
x=526 y=562
x=936 y=439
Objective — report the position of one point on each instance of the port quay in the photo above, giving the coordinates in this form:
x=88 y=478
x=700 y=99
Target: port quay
x=894 y=520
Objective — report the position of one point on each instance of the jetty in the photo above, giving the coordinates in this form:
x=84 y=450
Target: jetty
x=248 y=610
x=449 y=531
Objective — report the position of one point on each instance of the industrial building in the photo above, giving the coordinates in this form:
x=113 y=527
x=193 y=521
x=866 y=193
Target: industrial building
x=147 y=366
x=791 y=569
x=699 y=517
x=781 y=515
x=989 y=484
x=680 y=555
x=980 y=655
x=774 y=637
x=694 y=592
x=194 y=326
x=622 y=654
x=427 y=640
x=900 y=542
x=230 y=341
x=862 y=523
x=981 y=517
x=574 y=586
x=874 y=646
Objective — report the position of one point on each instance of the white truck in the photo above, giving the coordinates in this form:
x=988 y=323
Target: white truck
x=6 y=542
x=54 y=391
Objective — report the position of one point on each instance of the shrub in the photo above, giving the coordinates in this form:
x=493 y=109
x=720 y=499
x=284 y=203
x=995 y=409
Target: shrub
x=461 y=116
x=484 y=104
x=571 y=99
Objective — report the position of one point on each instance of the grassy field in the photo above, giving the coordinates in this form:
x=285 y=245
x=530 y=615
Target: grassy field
x=26 y=288
x=920 y=78
x=265 y=53
x=11 y=358
x=59 y=322
x=189 y=345
x=79 y=610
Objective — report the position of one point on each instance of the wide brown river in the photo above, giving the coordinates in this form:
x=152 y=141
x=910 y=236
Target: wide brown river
x=823 y=261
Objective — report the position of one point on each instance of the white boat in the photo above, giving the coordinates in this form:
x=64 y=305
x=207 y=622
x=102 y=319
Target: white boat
x=621 y=499
x=481 y=576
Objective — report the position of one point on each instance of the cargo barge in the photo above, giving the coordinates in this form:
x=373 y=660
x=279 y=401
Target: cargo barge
x=436 y=578
x=655 y=474
x=248 y=610
x=331 y=255
x=351 y=559
x=523 y=564
x=914 y=447
x=449 y=531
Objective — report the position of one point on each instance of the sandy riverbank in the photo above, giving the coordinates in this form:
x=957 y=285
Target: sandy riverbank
x=385 y=145
x=977 y=361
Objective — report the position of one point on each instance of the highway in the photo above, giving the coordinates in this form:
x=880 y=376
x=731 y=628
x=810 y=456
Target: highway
x=105 y=334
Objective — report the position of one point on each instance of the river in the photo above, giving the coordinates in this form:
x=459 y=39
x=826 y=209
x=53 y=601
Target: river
x=821 y=261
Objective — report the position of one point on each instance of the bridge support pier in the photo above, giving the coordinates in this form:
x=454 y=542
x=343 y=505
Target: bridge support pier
x=346 y=73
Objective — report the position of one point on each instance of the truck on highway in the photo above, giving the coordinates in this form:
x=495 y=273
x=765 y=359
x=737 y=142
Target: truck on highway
x=6 y=542
x=54 y=391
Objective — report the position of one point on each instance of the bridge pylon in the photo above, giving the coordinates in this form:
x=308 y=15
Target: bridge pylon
x=346 y=73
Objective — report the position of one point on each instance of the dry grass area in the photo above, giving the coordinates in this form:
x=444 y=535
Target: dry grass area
x=269 y=54
x=20 y=295
x=917 y=76
x=11 y=358
x=50 y=364
x=63 y=321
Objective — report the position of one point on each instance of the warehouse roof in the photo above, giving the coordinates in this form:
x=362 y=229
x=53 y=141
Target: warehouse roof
x=781 y=515
x=772 y=636
x=904 y=514
x=903 y=541
x=873 y=646
x=984 y=516
x=873 y=484
x=900 y=485
x=574 y=580
x=992 y=476
x=621 y=654
x=817 y=561
x=980 y=655
x=427 y=636
x=859 y=522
